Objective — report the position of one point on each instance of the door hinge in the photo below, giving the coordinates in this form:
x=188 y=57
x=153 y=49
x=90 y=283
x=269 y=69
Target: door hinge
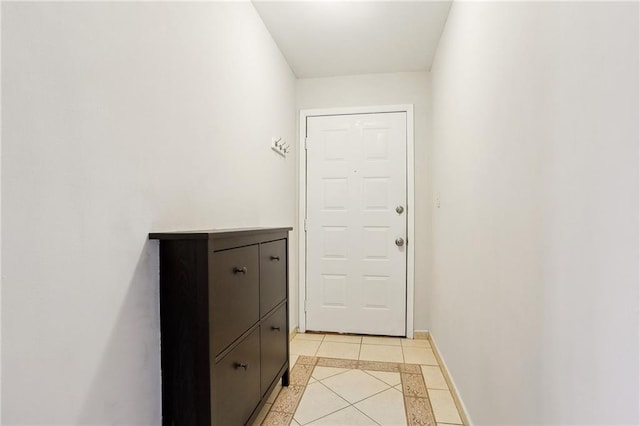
x=305 y=225
x=306 y=305
x=306 y=143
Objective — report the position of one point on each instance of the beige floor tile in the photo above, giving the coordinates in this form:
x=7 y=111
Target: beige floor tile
x=274 y=394
x=413 y=386
x=309 y=336
x=346 y=417
x=381 y=353
x=422 y=343
x=317 y=402
x=377 y=340
x=292 y=360
x=320 y=372
x=417 y=355
x=386 y=408
x=392 y=379
x=444 y=409
x=339 y=350
x=337 y=363
x=418 y=411
x=398 y=388
x=433 y=377
x=341 y=338
x=311 y=380
x=294 y=423
x=263 y=413
x=355 y=385
x=304 y=347
x=287 y=401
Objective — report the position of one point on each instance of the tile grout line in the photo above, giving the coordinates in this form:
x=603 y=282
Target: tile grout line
x=312 y=364
x=367 y=371
x=364 y=399
x=372 y=395
x=328 y=414
x=432 y=388
x=412 y=413
x=366 y=415
x=333 y=375
x=318 y=348
x=404 y=400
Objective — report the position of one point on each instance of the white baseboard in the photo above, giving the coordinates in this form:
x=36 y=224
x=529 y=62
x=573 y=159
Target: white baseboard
x=420 y=334
x=292 y=333
x=466 y=420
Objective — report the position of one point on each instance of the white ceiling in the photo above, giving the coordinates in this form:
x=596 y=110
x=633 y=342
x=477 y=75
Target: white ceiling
x=330 y=38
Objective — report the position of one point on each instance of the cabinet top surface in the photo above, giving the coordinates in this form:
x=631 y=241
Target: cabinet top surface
x=212 y=234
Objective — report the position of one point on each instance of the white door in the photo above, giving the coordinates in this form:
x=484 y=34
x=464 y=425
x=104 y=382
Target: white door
x=356 y=255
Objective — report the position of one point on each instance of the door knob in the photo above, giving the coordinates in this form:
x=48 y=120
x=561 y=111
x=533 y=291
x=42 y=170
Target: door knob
x=399 y=242
x=399 y=209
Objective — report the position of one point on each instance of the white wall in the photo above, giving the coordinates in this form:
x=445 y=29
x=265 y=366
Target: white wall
x=535 y=283
x=120 y=119
x=388 y=89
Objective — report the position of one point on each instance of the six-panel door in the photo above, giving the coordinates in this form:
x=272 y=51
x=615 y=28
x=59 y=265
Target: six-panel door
x=356 y=178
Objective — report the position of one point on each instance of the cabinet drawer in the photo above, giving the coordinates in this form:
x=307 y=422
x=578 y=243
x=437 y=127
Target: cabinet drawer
x=273 y=337
x=233 y=295
x=273 y=274
x=236 y=383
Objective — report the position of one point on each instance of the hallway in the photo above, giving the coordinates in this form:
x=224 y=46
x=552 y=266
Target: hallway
x=121 y=119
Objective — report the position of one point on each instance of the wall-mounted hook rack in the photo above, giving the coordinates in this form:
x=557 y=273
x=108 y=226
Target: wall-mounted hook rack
x=280 y=146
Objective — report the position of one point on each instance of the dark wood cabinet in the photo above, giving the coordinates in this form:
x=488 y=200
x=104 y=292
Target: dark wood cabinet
x=224 y=323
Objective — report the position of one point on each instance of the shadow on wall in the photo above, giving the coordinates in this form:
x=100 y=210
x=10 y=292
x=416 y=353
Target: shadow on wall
x=126 y=387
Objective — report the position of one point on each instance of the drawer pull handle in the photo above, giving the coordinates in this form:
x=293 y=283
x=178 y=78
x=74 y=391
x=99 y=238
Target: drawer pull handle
x=274 y=328
x=276 y=258
x=242 y=270
x=242 y=365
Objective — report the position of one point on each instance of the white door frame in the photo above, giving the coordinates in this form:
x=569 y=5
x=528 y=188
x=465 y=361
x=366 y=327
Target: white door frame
x=302 y=207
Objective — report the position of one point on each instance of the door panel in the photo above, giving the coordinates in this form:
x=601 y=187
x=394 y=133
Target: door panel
x=356 y=176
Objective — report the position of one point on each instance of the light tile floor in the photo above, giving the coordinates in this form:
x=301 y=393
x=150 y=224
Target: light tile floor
x=356 y=396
